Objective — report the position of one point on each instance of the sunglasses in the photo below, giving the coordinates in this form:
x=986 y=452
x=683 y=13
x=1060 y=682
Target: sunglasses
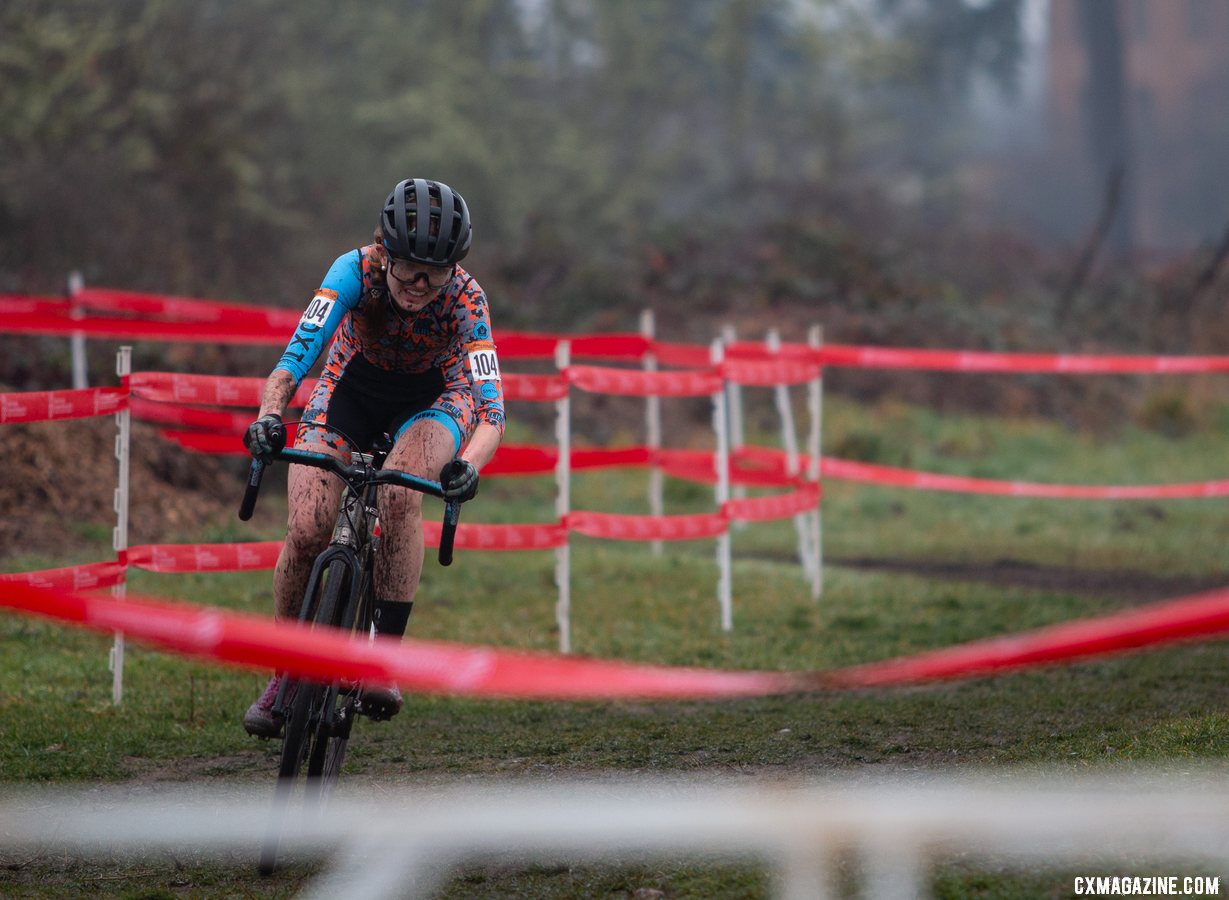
x=410 y=273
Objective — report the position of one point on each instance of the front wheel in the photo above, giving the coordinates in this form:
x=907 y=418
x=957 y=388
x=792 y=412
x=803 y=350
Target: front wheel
x=341 y=705
x=306 y=736
x=302 y=707
x=305 y=711
x=309 y=716
x=328 y=751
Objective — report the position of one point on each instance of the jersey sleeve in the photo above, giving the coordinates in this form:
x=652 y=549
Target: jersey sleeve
x=472 y=362
x=339 y=293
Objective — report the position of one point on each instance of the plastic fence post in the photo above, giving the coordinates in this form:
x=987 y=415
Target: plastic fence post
x=896 y=868
x=123 y=446
x=805 y=872
x=815 y=396
x=652 y=416
x=563 y=502
x=734 y=423
x=789 y=440
x=725 y=581
x=81 y=378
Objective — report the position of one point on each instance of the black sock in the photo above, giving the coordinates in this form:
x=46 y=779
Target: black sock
x=390 y=617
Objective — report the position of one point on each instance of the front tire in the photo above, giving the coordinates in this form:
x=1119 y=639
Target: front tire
x=297 y=743
x=329 y=750
x=305 y=737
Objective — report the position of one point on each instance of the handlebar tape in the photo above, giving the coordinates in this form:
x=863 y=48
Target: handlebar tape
x=255 y=474
x=452 y=515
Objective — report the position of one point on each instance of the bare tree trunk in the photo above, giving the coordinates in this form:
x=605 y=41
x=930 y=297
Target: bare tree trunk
x=1105 y=110
x=1092 y=246
x=1207 y=278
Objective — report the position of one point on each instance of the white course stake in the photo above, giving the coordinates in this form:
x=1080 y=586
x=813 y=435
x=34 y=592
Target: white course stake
x=734 y=413
x=563 y=502
x=725 y=580
x=815 y=396
x=652 y=422
x=81 y=379
x=123 y=445
x=789 y=440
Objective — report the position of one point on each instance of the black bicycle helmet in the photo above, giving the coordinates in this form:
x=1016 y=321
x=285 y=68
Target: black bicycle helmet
x=439 y=238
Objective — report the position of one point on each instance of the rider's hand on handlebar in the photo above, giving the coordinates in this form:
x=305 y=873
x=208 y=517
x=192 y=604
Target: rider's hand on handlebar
x=459 y=479
x=265 y=437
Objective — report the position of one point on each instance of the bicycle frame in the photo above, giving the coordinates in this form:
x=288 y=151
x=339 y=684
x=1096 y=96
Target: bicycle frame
x=318 y=717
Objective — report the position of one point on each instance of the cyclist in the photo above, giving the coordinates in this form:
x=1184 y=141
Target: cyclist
x=414 y=357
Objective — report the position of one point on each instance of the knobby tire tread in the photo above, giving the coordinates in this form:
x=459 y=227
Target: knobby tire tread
x=294 y=743
x=334 y=599
x=333 y=754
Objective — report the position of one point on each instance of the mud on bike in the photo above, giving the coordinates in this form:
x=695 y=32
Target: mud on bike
x=340 y=593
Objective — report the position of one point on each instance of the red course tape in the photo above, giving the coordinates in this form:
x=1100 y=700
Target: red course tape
x=422 y=666
x=46 y=406
x=482 y=536
x=257 y=555
x=764 y=467
x=619 y=527
x=208 y=390
x=45 y=307
x=189 y=319
x=848 y=470
x=769 y=373
x=217 y=421
x=638 y=383
x=451 y=668
x=121 y=329
x=1055 y=363
x=519 y=459
x=186 y=309
x=781 y=506
x=534 y=388
x=1198 y=616
x=75 y=578
x=218 y=390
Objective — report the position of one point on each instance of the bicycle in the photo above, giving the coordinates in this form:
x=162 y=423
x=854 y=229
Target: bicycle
x=318 y=717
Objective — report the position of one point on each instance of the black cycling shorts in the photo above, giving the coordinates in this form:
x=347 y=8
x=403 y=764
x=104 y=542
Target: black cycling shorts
x=366 y=402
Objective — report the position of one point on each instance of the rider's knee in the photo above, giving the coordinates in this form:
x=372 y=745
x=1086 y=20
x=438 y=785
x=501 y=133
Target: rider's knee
x=307 y=542
x=397 y=506
x=309 y=528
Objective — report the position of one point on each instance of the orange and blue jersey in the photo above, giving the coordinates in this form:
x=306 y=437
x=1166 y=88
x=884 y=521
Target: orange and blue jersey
x=447 y=349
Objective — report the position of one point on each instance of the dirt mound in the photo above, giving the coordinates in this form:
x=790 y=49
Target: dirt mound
x=58 y=483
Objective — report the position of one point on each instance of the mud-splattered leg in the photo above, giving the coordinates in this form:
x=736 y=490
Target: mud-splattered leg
x=422 y=450
x=314 y=497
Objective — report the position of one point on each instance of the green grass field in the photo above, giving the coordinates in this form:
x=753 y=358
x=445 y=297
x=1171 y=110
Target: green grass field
x=1006 y=564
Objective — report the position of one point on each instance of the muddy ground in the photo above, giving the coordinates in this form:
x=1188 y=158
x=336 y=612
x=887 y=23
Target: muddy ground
x=57 y=486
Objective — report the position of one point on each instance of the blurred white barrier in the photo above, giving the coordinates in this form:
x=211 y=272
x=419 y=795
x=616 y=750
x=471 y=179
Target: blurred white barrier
x=395 y=843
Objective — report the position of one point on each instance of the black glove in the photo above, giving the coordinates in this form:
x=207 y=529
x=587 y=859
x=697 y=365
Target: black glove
x=265 y=437
x=459 y=479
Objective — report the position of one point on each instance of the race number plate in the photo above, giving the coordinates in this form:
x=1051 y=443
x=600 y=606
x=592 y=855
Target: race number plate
x=318 y=310
x=484 y=365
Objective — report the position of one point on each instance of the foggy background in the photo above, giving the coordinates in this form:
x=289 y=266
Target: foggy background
x=983 y=174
